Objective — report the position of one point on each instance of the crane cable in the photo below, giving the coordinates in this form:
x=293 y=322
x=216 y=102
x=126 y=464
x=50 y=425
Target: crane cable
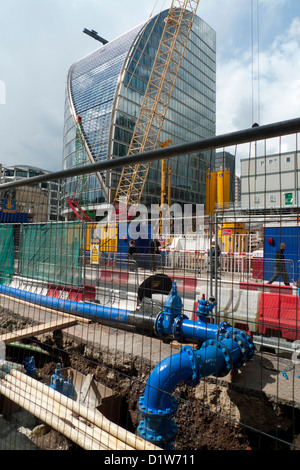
x=253 y=59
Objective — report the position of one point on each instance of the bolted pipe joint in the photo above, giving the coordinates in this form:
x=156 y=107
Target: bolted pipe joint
x=157 y=425
x=238 y=342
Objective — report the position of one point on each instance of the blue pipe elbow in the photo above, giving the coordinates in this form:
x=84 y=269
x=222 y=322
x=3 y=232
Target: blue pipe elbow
x=158 y=406
x=216 y=357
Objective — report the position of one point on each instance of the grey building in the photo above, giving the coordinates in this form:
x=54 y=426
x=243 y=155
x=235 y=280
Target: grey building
x=43 y=200
x=271 y=182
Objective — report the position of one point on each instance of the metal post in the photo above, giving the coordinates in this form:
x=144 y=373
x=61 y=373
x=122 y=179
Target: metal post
x=210 y=258
x=216 y=266
x=84 y=260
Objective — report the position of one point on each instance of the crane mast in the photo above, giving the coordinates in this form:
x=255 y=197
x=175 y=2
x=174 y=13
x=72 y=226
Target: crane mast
x=75 y=204
x=178 y=24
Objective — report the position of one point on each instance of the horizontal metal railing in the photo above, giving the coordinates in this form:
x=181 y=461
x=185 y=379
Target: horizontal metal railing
x=252 y=134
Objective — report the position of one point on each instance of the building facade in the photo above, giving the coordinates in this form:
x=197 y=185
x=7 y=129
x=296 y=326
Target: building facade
x=271 y=182
x=105 y=91
x=40 y=202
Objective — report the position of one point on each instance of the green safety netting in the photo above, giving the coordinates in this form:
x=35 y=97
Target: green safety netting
x=7 y=253
x=52 y=252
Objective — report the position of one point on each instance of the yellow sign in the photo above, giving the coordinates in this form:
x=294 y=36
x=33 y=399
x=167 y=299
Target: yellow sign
x=94 y=254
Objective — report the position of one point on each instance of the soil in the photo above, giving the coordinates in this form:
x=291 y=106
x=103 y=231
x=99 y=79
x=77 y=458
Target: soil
x=210 y=416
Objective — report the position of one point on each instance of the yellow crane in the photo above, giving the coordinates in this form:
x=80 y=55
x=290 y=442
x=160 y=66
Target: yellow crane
x=178 y=25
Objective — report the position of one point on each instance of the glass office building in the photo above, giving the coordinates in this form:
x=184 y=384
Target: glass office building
x=106 y=89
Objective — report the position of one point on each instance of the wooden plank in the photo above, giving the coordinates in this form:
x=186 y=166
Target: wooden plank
x=26 y=384
x=36 y=330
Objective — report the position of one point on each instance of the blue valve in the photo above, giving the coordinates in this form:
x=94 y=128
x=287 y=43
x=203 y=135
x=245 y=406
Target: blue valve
x=205 y=307
x=61 y=385
x=29 y=365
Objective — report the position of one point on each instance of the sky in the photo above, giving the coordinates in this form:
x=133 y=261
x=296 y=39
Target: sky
x=258 y=64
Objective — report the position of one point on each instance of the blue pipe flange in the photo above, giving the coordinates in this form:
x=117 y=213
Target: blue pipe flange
x=251 y=348
x=245 y=343
x=164 y=441
x=192 y=355
x=234 y=344
x=238 y=347
x=157 y=425
x=153 y=412
x=223 y=329
x=158 y=326
x=220 y=370
x=177 y=327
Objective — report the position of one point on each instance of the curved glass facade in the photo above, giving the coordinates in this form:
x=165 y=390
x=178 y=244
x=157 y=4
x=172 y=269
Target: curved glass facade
x=106 y=89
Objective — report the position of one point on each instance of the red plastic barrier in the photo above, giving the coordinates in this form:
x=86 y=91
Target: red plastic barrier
x=110 y=275
x=257 y=267
x=187 y=284
x=273 y=288
x=279 y=312
x=78 y=294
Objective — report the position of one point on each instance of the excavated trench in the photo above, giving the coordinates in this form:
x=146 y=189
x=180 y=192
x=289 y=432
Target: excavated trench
x=211 y=416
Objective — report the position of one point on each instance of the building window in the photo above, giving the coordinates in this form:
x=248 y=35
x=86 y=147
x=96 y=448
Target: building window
x=21 y=174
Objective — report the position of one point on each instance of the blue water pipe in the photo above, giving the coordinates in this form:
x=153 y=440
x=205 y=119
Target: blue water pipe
x=223 y=349
x=171 y=323
x=93 y=311
x=168 y=325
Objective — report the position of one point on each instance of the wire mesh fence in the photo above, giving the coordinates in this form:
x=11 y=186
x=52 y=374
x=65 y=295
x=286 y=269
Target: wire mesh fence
x=118 y=335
